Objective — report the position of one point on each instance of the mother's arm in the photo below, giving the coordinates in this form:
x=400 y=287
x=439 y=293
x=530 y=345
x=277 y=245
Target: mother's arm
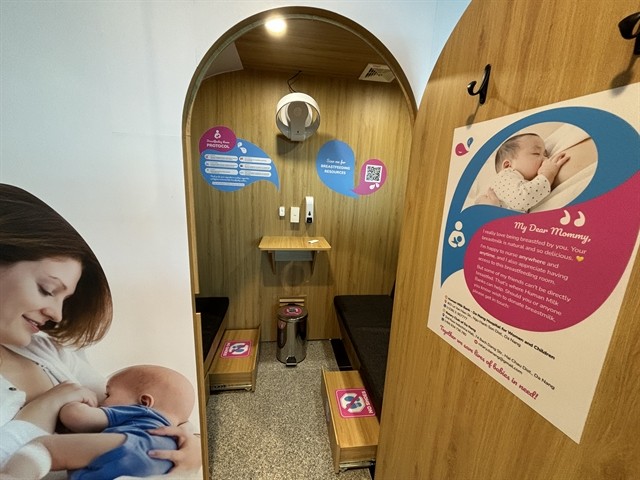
x=43 y=410
x=37 y=417
x=15 y=434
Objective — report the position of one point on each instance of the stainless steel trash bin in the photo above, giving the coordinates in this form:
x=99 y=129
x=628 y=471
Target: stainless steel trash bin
x=292 y=334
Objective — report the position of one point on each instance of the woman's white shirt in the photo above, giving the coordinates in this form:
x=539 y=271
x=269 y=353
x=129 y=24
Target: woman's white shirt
x=60 y=364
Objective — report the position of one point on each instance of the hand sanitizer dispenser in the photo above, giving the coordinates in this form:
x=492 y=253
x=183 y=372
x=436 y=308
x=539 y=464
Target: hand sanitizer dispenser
x=308 y=213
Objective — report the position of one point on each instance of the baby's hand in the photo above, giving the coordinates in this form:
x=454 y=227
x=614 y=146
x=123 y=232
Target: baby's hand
x=489 y=198
x=81 y=417
x=551 y=166
x=69 y=392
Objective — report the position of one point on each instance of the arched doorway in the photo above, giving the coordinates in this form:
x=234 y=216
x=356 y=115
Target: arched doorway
x=237 y=85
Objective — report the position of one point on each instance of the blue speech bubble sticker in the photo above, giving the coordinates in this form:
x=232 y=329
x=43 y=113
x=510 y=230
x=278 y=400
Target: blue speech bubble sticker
x=335 y=164
x=238 y=167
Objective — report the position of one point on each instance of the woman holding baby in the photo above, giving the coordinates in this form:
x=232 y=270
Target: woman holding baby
x=54 y=299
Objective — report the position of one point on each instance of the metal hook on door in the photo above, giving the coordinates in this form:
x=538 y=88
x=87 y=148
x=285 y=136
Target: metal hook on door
x=627 y=26
x=482 y=91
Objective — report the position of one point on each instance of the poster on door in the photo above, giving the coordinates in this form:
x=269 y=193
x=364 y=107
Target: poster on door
x=539 y=234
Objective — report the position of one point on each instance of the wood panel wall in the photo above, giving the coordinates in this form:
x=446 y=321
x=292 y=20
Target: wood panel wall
x=374 y=120
x=443 y=418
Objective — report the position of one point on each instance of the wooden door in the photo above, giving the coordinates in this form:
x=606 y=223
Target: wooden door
x=444 y=418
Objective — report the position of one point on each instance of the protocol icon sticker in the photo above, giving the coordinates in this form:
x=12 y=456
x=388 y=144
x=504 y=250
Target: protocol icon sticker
x=236 y=349
x=354 y=403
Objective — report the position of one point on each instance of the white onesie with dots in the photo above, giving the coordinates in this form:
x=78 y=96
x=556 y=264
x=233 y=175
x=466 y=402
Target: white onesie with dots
x=516 y=193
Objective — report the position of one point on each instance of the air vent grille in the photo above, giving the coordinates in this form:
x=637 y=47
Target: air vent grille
x=377 y=73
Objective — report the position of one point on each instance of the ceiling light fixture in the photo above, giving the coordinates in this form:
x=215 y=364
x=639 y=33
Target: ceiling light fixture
x=276 y=26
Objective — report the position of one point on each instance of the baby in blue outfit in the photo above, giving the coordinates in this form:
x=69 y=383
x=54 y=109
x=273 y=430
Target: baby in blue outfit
x=139 y=398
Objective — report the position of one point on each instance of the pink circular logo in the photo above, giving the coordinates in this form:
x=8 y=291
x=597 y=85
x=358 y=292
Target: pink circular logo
x=221 y=139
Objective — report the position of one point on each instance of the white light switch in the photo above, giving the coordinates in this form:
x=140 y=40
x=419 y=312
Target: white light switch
x=295 y=214
x=281 y=212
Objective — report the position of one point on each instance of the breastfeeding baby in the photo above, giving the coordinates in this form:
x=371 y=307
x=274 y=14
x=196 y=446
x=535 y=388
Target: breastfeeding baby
x=139 y=399
x=524 y=173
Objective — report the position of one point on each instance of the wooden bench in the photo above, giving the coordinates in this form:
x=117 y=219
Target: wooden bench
x=235 y=363
x=352 y=425
x=365 y=325
x=213 y=324
x=230 y=356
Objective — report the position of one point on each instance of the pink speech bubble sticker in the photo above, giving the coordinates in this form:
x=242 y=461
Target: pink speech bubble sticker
x=373 y=174
x=219 y=138
x=550 y=270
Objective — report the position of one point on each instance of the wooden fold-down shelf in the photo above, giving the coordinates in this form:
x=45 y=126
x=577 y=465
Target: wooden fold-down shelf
x=293 y=249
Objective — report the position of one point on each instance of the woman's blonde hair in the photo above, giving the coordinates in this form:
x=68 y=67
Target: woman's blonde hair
x=30 y=230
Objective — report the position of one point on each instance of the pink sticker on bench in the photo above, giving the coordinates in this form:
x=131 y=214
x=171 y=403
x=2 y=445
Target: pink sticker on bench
x=354 y=403
x=236 y=349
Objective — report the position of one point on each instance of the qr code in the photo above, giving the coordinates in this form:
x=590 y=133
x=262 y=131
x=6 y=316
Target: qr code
x=373 y=174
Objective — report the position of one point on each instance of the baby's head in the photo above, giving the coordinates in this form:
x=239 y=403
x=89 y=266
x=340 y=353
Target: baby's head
x=156 y=387
x=524 y=153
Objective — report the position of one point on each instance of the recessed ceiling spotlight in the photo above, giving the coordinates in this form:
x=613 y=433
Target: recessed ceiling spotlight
x=276 y=26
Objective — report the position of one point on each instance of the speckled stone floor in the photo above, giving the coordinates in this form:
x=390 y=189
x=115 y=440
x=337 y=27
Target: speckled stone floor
x=277 y=432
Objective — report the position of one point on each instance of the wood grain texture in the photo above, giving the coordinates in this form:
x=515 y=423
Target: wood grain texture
x=226 y=372
x=313 y=47
x=351 y=439
x=364 y=233
x=291 y=243
x=249 y=281
x=443 y=418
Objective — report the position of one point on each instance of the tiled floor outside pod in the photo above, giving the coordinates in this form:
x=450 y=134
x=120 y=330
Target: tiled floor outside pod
x=279 y=431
